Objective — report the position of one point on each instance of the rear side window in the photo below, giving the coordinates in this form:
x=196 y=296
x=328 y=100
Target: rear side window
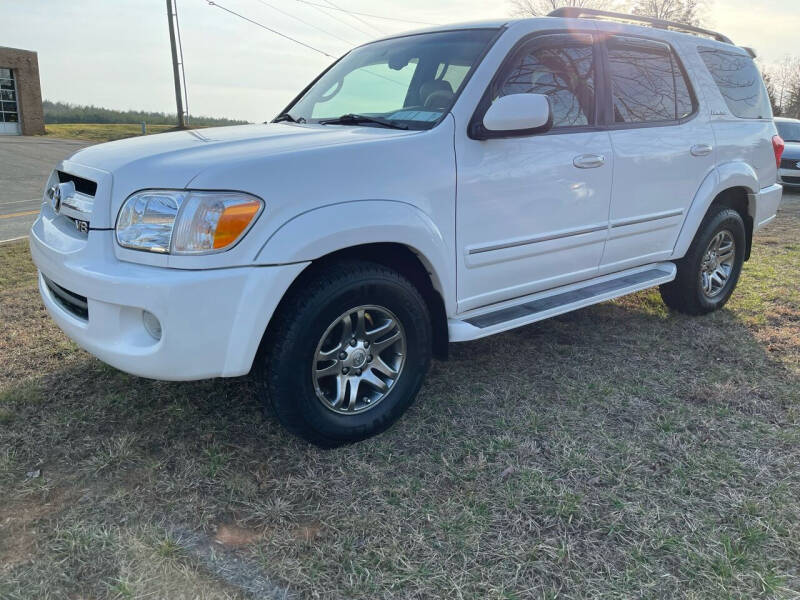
x=560 y=67
x=739 y=82
x=647 y=83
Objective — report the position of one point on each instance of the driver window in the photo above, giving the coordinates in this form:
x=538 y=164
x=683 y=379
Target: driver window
x=560 y=67
x=370 y=89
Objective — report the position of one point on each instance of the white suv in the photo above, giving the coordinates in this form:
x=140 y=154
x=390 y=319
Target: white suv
x=428 y=188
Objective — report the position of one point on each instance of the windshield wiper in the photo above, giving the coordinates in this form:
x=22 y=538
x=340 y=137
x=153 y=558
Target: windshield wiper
x=353 y=119
x=287 y=117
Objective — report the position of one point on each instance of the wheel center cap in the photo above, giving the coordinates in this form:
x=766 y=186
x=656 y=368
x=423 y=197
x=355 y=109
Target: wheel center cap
x=358 y=358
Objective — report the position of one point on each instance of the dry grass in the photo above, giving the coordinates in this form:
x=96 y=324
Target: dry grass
x=619 y=451
x=101 y=132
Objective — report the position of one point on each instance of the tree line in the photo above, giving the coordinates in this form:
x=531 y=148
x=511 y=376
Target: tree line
x=64 y=112
x=691 y=12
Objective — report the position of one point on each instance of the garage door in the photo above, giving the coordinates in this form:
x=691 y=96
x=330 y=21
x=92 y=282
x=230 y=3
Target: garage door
x=9 y=115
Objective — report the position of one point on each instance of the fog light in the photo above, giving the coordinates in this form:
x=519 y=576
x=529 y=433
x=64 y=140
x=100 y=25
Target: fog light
x=152 y=324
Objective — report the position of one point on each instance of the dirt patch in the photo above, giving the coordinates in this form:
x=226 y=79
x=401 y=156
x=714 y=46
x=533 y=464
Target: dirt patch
x=234 y=536
x=19 y=521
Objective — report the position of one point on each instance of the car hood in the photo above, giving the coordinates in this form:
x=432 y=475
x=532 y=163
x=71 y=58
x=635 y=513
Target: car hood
x=792 y=150
x=193 y=149
x=176 y=159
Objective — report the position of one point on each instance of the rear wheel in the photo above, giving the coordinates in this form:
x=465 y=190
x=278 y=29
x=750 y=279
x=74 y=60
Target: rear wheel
x=346 y=353
x=708 y=274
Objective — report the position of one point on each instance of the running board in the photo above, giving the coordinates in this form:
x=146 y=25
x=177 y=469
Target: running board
x=479 y=323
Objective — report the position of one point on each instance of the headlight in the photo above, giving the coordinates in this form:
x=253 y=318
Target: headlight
x=185 y=222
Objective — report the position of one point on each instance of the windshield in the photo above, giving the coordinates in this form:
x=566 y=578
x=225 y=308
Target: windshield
x=407 y=82
x=788 y=130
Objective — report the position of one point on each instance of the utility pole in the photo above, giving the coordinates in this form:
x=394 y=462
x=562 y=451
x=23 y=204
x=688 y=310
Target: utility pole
x=177 y=66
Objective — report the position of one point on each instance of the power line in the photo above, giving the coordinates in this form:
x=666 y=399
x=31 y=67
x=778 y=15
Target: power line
x=321 y=8
x=356 y=17
x=283 y=35
x=363 y=14
x=296 y=18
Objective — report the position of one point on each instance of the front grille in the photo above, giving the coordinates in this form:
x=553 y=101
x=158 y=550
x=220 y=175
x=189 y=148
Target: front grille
x=83 y=186
x=73 y=303
x=794 y=180
x=790 y=163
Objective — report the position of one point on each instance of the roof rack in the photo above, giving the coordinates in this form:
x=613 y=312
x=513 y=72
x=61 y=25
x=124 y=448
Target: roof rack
x=574 y=12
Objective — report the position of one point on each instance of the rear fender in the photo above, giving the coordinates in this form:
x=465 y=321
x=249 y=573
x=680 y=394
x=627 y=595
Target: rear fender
x=725 y=176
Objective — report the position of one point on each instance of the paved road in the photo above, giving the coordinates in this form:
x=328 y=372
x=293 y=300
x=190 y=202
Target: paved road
x=25 y=163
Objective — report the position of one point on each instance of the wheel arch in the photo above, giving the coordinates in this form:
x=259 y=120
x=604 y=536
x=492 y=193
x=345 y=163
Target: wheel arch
x=395 y=234
x=734 y=185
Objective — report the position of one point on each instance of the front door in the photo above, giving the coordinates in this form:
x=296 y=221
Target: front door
x=532 y=212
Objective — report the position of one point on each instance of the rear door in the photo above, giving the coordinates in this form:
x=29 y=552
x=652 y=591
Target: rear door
x=663 y=149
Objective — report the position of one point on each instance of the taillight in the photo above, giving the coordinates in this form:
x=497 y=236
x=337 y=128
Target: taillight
x=777 y=147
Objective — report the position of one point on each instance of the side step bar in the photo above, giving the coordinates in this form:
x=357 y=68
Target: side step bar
x=479 y=323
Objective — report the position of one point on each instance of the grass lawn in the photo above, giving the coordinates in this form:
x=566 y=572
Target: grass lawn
x=619 y=451
x=100 y=132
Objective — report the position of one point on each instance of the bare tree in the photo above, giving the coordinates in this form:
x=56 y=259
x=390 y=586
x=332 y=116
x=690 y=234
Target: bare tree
x=785 y=79
x=540 y=8
x=689 y=12
x=773 y=98
x=793 y=106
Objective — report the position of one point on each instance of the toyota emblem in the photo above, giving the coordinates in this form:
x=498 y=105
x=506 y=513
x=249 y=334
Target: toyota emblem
x=54 y=193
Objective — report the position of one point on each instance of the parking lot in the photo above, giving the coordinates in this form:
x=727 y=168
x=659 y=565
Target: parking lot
x=25 y=163
x=618 y=451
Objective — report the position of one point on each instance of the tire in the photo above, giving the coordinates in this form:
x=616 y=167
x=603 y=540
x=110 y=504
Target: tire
x=691 y=291
x=312 y=322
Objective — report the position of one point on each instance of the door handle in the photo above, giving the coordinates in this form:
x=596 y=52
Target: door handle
x=701 y=150
x=589 y=161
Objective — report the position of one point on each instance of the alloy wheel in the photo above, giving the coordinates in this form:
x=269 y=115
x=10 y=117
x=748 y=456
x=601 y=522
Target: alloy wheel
x=359 y=359
x=717 y=263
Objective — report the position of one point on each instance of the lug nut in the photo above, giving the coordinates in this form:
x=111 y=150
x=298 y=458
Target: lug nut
x=353 y=342
x=358 y=371
x=342 y=355
x=345 y=370
x=369 y=358
x=366 y=344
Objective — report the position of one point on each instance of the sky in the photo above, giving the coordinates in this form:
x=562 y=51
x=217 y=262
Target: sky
x=116 y=54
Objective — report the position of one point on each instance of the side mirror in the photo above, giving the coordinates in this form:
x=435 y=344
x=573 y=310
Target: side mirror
x=517 y=114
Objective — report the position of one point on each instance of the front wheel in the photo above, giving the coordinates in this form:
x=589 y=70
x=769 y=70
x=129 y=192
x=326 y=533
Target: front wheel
x=708 y=274
x=346 y=353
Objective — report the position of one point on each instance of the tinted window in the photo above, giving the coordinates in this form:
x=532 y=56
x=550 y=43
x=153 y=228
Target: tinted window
x=739 y=82
x=560 y=67
x=789 y=130
x=646 y=83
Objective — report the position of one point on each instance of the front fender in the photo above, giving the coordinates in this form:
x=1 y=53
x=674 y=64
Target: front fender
x=723 y=177
x=321 y=231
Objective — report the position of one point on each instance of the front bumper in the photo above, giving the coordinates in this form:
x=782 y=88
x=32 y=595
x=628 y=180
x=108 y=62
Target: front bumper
x=789 y=177
x=212 y=320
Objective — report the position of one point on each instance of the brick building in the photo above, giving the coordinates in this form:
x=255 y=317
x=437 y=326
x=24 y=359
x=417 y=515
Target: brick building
x=20 y=93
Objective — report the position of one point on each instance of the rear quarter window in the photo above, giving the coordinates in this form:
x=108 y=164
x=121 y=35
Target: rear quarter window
x=739 y=82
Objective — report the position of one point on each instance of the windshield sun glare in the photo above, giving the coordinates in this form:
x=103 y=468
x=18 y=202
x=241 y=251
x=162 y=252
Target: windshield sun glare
x=408 y=82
